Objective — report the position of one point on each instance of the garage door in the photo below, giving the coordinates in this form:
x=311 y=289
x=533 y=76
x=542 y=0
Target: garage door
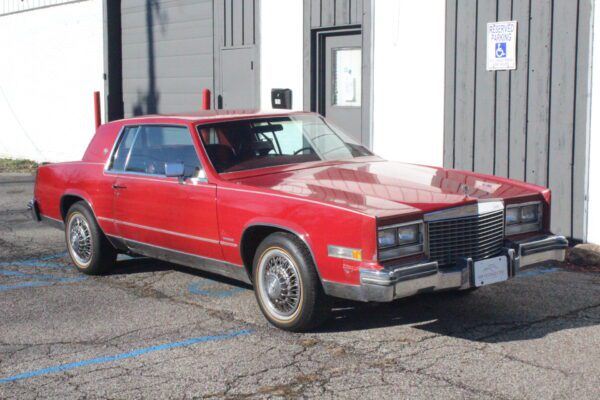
x=167 y=52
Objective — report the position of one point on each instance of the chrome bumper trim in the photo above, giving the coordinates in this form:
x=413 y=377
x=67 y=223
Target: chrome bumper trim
x=35 y=212
x=407 y=280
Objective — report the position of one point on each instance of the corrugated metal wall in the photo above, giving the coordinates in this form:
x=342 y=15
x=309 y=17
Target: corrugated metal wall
x=530 y=124
x=238 y=25
x=237 y=59
x=331 y=13
x=167 y=53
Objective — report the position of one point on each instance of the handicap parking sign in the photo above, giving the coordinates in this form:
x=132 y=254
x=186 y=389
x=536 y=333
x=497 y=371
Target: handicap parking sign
x=501 y=46
x=501 y=50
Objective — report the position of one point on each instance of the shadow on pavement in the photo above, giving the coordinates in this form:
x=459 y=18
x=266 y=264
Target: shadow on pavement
x=521 y=309
x=500 y=313
x=143 y=265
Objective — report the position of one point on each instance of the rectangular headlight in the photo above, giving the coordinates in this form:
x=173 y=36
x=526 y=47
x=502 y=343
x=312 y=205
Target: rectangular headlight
x=400 y=240
x=408 y=234
x=386 y=238
x=529 y=213
x=523 y=218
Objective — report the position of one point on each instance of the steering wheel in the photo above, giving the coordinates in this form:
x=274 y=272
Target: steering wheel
x=303 y=149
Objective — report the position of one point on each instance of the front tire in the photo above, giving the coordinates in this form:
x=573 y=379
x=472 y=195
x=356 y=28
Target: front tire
x=89 y=249
x=286 y=284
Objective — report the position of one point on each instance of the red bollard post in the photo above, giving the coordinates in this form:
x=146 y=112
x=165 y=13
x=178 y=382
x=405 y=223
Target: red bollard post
x=97 y=109
x=205 y=99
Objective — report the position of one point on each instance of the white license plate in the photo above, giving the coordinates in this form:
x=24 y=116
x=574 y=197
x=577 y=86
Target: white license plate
x=492 y=270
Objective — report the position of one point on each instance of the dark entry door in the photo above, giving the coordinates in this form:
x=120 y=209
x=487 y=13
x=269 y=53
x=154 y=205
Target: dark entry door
x=341 y=91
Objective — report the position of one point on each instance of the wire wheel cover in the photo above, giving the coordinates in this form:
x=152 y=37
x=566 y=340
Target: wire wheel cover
x=80 y=239
x=280 y=287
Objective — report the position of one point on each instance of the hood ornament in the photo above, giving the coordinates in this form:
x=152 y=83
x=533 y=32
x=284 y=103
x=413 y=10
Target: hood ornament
x=465 y=189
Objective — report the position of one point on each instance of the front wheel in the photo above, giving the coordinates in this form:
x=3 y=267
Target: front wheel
x=89 y=249
x=286 y=284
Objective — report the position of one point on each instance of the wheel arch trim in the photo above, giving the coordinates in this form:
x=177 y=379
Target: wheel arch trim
x=295 y=232
x=77 y=194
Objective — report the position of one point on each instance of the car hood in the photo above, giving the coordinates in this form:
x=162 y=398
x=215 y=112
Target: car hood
x=385 y=188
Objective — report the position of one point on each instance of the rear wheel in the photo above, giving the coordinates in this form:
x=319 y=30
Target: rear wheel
x=89 y=249
x=286 y=284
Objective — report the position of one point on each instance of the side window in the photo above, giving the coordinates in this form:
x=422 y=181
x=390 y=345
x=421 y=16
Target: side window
x=153 y=146
x=120 y=156
x=157 y=145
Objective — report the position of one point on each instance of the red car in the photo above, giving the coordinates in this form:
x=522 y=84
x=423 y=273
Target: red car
x=290 y=204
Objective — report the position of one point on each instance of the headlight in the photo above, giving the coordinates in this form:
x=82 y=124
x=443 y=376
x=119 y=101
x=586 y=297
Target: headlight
x=512 y=215
x=529 y=213
x=523 y=218
x=408 y=234
x=400 y=240
x=386 y=238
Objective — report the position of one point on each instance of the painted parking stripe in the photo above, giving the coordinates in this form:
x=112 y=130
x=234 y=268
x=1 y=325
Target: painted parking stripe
x=537 y=271
x=22 y=285
x=122 y=356
x=19 y=274
x=41 y=262
x=201 y=288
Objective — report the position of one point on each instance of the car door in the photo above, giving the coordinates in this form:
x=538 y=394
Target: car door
x=156 y=214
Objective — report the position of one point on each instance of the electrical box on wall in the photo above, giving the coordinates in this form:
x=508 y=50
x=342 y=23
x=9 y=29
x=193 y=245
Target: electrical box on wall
x=281 y=98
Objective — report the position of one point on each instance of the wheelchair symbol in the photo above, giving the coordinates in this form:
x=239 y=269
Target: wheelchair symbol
x=500 y=50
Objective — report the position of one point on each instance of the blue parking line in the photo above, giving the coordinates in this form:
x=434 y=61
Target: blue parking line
x=537 y=271
x=122 y=356
x=41 y=262
x=20 y=274
x=197 y=288
x=22 y=285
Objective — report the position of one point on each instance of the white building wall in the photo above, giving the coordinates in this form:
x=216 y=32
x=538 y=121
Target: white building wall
x=594 y=172
x=52 y=62
x=281 y=50
x=408 y=97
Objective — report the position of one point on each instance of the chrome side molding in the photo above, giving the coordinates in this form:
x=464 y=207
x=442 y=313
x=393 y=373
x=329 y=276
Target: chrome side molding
x=211 y=265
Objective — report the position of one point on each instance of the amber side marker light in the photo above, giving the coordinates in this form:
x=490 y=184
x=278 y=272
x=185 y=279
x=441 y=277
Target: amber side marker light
x=345 y=253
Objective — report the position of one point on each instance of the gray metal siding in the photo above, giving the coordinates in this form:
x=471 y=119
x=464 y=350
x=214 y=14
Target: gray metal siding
x=167 y=54
x=532 y=123
x=238 y=27
x=332 y=13
x=236 y=31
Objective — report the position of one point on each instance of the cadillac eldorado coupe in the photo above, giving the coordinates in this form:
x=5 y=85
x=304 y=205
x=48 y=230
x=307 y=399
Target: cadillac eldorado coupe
x=288 y=203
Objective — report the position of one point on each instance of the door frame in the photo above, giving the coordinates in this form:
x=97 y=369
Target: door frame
x=219 y=46
x=318 y=72
x=314 y=40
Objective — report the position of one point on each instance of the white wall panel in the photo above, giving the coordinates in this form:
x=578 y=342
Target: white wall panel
x=281 y=50
x=52 y=62
x=408 y=98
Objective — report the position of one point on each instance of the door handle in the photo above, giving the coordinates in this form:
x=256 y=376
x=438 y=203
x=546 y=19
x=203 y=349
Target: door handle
x=115 y=186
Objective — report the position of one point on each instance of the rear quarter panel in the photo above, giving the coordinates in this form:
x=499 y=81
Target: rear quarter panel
x=84 y=179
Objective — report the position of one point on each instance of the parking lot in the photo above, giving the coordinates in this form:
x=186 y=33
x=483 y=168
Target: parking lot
x=153 y=329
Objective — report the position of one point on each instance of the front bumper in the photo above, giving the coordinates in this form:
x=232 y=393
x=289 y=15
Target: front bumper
x=422 y=277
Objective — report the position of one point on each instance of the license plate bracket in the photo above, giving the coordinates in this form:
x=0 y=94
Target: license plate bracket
x=489 y=271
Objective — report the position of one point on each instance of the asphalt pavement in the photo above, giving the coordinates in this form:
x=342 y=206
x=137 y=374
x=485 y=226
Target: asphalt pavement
x=156 y=330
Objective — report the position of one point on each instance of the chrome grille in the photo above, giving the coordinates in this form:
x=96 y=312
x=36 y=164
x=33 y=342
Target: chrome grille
x=479 y=236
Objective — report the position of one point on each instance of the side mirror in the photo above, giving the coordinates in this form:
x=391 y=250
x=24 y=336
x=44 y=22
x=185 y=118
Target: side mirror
x=174 y=170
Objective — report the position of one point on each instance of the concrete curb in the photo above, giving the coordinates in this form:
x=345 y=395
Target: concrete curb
x=15 y=177
x=585 y=255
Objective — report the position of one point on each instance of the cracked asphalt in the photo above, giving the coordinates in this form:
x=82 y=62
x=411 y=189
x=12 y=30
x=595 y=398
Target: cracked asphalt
x=157 y=330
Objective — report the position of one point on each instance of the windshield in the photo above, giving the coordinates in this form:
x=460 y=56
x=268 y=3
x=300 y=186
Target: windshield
x=265 y=142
